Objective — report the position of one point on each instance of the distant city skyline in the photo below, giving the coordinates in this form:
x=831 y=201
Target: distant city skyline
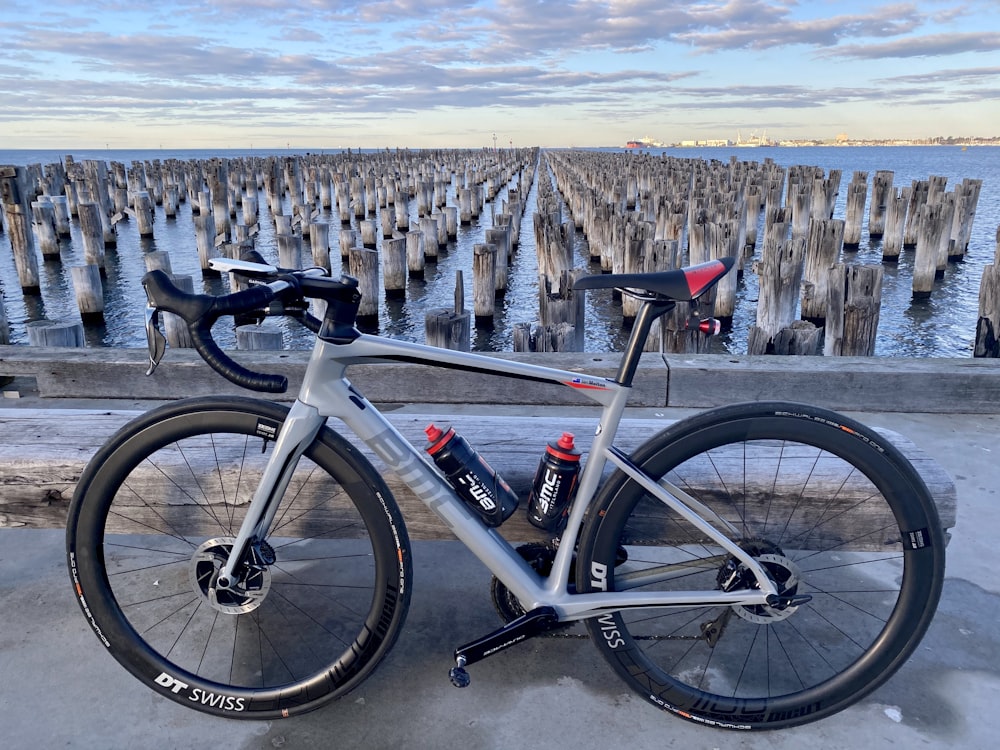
x=275 y=74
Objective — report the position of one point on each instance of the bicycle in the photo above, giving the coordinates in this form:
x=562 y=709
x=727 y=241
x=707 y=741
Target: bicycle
x=754 y=566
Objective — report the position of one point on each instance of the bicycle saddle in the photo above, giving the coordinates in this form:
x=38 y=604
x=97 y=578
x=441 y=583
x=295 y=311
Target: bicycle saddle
x=681 y=284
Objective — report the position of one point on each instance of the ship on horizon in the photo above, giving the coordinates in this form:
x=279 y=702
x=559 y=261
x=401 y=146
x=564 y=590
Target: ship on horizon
x=753 y=141
x=645 y=142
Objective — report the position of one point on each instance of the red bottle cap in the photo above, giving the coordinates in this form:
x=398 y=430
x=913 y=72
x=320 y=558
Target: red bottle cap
x=564 y=448
x=437 y=437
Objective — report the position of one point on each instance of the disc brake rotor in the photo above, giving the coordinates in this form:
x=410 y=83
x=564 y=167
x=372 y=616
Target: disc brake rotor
x=244 y=596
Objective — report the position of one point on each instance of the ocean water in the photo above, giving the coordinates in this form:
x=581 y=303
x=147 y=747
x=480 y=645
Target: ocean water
x=941 y=326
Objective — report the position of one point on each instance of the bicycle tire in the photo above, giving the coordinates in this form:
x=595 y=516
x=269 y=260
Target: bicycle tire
x=160 y=502
x=829 y=508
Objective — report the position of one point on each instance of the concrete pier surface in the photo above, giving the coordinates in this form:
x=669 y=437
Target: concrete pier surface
x=59 y=689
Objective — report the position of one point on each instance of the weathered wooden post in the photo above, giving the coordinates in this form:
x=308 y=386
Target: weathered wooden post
x=250 y=206
x=60 y=204
x=348 y=239
x=415 y=261
x=21 y=240
x=144 y=213
x=4 y=325
x=881 y=192
x=55 y=333
x=363 y=264
x=171 y=199
x=289 y=250
x=89 y=292
x=484 y=266
x=204 y=230
x=988 y=325
x=966 y=201
x=402 y=211
x=779 y=274
x=853 y=315
x=500 y=238
x=319 y=240
x=394 y=267
x=259 y=337
x=450 y=328
x=857 y=192
x=932 y=230
x=43 y=223
x=96 y=178
x=369 y=233
x=90 y=230
x=428 y=226
x=822 y=251
x=895 y=222
x=918 y=198
x=387 y=219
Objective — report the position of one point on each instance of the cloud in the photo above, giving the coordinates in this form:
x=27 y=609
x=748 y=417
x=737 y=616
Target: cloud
x=930 y=45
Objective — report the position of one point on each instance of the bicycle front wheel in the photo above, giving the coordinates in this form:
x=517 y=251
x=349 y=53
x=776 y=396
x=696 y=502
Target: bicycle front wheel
x=155 y=516
x=838 y=519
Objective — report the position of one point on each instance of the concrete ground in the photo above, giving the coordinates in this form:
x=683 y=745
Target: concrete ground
x=58 y=688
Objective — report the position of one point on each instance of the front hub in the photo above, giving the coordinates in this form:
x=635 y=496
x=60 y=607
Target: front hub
x=244 y=595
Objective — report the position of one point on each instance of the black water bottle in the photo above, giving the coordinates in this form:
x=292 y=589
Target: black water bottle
x=474 y=480
x=554 y=484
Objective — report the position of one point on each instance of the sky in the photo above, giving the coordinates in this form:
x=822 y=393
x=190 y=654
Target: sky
x=328 y=74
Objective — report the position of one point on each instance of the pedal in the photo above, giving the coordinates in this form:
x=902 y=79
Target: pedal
x=458 y=676
x=524 y=627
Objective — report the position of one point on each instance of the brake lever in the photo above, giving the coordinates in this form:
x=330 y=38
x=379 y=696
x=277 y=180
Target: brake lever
x=154 y=338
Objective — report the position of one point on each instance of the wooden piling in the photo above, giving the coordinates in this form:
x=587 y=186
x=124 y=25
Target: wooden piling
x=853 y=313
x=4 y=325
x=450 y=328
x=484 y=268
x=932 y=229
x=289 y=251
x=882 y=191
x=966 y=201
x=363 y=264
x=779 y=274
x=144 y=213
x=822 y=252
x=259 y=337
x=988 y=325
x=429 y=228
x=895 y=224
x=55 y=333
x=43 y=216
x=319 y=241
x=348 y=239
x=369 y=233
x=394 y=267
x=857 y=192
x=204 y=230
x=415 y=261
x=90 y=230
x=89 y=292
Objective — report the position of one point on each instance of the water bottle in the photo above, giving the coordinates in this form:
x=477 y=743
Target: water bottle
x=474 y=480
x=554 y=484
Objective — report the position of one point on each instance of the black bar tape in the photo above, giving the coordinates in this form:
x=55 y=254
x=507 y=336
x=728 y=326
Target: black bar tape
x=200 y=311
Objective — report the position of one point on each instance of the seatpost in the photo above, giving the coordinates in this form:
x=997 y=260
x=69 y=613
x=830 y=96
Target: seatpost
x=651 y=309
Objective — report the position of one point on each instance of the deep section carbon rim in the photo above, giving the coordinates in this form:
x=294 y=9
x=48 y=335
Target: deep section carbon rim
x=317 y=606
x=840 y=526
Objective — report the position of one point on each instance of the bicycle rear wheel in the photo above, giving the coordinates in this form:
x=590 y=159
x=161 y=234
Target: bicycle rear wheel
x=831 y=512
x=156 y=513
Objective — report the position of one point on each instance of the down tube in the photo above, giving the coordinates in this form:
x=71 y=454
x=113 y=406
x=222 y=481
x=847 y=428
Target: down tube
x=486 y=544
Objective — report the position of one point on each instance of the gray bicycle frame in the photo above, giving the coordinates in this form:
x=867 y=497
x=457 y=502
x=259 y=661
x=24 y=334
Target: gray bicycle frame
x=326 y=392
